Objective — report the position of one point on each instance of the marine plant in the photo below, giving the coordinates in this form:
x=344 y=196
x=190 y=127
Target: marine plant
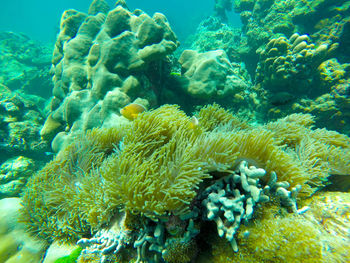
x=156 y=168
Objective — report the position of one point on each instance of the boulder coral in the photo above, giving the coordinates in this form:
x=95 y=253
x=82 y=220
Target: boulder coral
x=291 y=64
x=211 y=76
x=318 y=81
x=154 y=168
x=99 y=64
x=325 y=21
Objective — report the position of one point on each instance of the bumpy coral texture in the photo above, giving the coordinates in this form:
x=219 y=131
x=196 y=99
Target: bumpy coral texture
x=211 y=75
x=275 y=237
x=318 y=81
x=286 y=63
x=155 y=165
x=99 y=64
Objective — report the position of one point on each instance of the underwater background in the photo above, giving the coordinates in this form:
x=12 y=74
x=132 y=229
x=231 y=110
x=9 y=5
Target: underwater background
x=175 y=131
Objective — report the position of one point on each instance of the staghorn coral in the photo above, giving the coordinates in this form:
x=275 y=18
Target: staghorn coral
x=154 y=168
x=233 y=199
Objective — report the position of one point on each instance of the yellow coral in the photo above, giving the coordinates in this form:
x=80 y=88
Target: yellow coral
x=274 y=237
x=65 y=199
x=213 y=116
x=155 y=165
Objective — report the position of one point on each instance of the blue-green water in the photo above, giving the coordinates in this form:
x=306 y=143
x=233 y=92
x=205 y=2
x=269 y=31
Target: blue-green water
x=213 y=131
x=40 y=19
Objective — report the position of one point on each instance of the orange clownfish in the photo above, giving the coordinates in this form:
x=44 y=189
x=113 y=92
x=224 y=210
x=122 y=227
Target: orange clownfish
x=131 y=111
x=194 y=123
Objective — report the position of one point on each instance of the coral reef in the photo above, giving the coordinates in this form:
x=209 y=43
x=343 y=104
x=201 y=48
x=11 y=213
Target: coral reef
x=212 y=34
x=324 y=21
x=102 y=61
x=296 y=52
x=25 y=64
x=21 y=117
x=21 y=149
x=292 y=63
x=220 y=8
x=14 y=174
x=211 y=76
x=298 y=76
x=135 y=189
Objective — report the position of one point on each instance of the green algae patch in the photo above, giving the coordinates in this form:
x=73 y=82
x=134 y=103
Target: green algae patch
x=72 y=258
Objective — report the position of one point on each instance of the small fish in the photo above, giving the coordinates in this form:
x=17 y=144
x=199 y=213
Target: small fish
x=281 y=98
x=132 y=110
x=194 y=122
x=175 y=74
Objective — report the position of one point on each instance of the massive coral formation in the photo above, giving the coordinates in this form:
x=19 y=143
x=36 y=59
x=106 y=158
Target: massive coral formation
x=100 y=64
x=298 y=76
x=153 y=169
x=210 y=75
x=299 y=46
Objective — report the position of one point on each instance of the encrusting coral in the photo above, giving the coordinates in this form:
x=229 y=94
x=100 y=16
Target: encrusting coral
x=155 y=167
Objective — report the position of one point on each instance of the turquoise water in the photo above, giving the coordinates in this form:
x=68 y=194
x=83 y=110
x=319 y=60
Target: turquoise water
x=175 y=131
x=40 y=19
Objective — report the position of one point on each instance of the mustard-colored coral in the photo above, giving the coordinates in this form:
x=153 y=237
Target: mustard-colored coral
x=154 y=166
x=65 y=200
x=274 y=237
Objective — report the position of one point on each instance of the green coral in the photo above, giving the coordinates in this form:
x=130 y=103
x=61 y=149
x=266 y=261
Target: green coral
x=72 y=258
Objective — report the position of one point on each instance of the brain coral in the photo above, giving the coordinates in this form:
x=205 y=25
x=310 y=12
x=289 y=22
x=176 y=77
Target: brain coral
x=99 y=64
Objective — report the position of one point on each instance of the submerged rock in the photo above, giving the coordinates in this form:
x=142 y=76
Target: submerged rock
x=14 y=174
x=25 y=64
